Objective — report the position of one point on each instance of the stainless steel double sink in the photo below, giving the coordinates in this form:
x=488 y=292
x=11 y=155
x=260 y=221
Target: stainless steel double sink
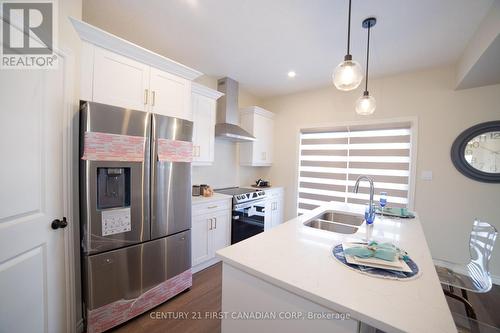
x=343 y=223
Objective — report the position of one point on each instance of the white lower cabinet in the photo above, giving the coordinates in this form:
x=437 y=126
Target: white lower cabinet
x=200 y=243
x=221 y=231
x=210 y=231
x=274 y=208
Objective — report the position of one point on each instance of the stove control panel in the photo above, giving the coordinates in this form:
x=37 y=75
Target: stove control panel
x=239 y=198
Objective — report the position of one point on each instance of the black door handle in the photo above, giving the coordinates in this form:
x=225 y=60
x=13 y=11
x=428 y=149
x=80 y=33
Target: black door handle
x=56 y=224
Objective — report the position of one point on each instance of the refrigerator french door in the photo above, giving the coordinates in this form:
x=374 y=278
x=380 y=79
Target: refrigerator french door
x=170 y=176
x=135 y=212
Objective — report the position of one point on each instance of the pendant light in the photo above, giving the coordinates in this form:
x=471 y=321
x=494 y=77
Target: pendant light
x=366 y=104
x=348 y=74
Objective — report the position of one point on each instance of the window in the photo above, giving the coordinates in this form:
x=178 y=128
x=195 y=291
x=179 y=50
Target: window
x=331 y=161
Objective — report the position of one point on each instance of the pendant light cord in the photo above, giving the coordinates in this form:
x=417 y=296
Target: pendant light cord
x=367 y=56
x=349 y=30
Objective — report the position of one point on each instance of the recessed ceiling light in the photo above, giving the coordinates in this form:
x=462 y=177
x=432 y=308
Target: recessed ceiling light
x=292 y=74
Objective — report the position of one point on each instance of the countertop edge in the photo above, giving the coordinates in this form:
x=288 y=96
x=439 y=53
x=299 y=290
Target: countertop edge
x=309 y=296
x=196 y=200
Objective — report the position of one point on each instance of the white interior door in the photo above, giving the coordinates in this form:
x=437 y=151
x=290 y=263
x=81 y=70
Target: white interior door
x=32 y=256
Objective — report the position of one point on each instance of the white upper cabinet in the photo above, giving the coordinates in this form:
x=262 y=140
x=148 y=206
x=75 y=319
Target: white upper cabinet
x=260 y=124
x=117 y=72
x=204 y=106
x=170 y=95
x=119 y=81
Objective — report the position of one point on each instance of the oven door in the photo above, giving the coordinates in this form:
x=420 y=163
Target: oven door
x=248 y=220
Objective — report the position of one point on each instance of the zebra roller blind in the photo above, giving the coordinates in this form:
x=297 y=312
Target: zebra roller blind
x=331 y=160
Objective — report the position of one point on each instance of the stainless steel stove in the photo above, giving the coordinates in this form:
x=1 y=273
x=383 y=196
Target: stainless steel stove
x=248 y=212
x=241 y=195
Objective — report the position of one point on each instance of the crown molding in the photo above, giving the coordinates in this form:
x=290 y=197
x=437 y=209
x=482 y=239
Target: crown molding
x=104 y=39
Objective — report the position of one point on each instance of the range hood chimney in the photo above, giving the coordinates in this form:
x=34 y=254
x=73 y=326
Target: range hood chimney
x=228 y=116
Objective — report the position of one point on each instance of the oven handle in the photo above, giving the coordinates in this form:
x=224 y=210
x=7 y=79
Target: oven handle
x=249 y=204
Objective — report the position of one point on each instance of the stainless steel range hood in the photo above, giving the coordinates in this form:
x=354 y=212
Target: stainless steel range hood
x=228 y=117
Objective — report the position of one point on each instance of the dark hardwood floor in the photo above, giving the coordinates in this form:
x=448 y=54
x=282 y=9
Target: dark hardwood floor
x=486 y=306
x=203 y=297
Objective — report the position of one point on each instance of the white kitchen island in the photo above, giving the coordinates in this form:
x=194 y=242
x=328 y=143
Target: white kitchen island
x=287 y=280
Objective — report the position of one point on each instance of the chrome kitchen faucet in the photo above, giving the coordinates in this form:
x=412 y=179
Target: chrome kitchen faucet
x=372 y=190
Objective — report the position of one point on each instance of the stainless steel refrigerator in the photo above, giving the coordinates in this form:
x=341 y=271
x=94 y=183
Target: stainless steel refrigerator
x=135 y=207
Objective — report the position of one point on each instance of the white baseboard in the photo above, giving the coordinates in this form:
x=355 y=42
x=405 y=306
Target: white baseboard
x=204 y=265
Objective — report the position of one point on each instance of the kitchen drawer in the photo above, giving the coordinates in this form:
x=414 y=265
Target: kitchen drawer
x=209 y=207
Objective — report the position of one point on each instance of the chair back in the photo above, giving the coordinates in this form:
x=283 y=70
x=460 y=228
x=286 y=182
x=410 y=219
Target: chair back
x=481 y=242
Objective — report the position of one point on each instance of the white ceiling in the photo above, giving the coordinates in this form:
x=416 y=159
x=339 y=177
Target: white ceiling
x=258 y=41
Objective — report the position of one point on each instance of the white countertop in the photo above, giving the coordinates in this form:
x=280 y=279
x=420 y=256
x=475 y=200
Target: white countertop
x=214 y=197
x=263 y=188
x=298 y=258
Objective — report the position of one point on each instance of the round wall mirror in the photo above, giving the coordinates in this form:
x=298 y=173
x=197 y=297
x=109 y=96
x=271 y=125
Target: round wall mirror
x=476 y=152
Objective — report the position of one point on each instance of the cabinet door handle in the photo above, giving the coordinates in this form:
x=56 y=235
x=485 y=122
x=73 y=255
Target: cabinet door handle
x=146 y=94
x=212 y=207
x=215 y=220
x=153 y=98
x=210 y=224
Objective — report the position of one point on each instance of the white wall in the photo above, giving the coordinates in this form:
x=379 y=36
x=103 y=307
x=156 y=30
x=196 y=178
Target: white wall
x=226 y=171
x=448 y=203
x=475 y=67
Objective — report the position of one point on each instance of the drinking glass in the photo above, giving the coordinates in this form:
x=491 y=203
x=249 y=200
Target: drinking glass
x=383 y=202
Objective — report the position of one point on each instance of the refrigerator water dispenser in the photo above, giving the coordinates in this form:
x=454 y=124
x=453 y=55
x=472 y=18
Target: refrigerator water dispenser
x=113 y=187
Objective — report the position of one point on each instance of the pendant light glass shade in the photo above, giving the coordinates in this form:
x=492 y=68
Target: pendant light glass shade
x=366 y=104
x=347 y=75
